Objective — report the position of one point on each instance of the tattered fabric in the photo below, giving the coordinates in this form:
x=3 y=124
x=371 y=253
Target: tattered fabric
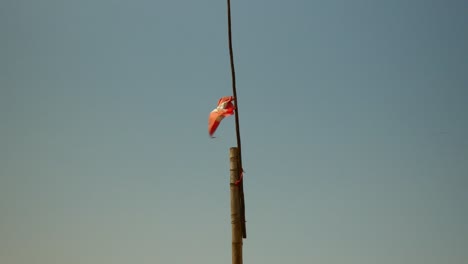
x=225 y=108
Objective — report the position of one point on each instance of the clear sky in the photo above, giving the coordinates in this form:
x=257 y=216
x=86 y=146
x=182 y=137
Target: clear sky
x=353 y=119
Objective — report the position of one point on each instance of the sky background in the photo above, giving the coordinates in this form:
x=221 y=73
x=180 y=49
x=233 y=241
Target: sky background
x=353 y=119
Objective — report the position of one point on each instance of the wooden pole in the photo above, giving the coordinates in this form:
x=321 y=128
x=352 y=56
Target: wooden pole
x=236 y=104
x=235 y=207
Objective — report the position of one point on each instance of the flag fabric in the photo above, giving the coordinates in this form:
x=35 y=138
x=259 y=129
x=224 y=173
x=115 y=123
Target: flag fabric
x=225 y=108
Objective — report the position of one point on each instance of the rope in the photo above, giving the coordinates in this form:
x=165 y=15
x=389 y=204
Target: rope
x=236 y=104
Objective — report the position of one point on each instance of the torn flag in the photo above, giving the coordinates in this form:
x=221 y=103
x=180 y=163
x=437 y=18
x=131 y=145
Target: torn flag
x=225 y=108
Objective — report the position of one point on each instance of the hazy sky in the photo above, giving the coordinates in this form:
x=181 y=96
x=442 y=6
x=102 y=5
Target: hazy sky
x=353 y=119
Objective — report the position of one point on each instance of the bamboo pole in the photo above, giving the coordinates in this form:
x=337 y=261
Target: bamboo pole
x=235 y=207
x=236 y=104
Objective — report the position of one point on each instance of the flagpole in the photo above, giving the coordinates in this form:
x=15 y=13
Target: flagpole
x=236 y=222
x=236 y=103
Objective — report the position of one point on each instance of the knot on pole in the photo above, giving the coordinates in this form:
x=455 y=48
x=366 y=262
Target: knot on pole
x=241 y=176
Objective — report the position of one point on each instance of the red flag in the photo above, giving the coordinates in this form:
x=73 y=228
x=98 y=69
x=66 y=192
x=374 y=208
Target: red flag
x=225 y=108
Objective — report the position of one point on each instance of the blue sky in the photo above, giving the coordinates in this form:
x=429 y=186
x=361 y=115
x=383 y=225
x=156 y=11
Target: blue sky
x=353 y=121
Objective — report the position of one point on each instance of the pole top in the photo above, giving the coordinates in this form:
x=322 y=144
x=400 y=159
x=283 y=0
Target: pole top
x=233 y=152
